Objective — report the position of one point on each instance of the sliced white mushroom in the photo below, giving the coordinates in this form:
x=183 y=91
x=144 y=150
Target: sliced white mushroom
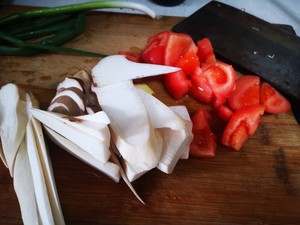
x=175 y=130
x=117 y=68
x=31 y=170
x=69 y=98
x=93 y=141
x=24 y=188
x=108 y=168
x=43 y=179
x=13 y=121
x=131 y=129
x=183 y=112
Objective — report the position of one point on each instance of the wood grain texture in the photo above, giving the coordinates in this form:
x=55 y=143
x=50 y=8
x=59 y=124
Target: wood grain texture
x=258 y=185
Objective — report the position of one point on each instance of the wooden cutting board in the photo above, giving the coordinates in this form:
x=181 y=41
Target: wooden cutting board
x=258 y=185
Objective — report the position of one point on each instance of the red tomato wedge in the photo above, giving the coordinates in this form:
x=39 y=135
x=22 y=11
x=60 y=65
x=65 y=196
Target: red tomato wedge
x=246 y=92
x=167 y=47
x=134 y=57
x=225 y=112
x=206 y=52
x=155 y=50
x=177 y=47
x=177 y=84
x=221 y=78
x=241 y=125
x=273 y=101
x=200 y=89
x=204 y=142
x=189 y=63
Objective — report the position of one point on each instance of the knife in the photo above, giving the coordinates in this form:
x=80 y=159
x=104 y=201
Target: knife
x=251 y=45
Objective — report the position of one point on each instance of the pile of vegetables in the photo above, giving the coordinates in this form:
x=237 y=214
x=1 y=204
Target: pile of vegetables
x=239 y=100
x=122 y=139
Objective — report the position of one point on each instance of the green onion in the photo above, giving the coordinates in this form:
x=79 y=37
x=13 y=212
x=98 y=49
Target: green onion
x=57 y=25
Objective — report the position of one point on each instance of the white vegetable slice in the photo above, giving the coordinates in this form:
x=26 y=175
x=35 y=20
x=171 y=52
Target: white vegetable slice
x=123 y=173
x=13 y=120
x=108 y=168
x=117 y=68
x=83 y=136
x=132 y=131
x=175 y=131
x=23 y=184
x=39 y=182
x=160 y=114
x=43 y=178
x=183 y=112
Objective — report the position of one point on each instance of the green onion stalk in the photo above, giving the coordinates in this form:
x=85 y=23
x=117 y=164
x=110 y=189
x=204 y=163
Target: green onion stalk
x=61 y=23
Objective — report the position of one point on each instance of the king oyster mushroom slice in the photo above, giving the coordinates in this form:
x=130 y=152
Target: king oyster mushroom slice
x=32 y=172
x=90 y=139
x=69 y=98
x=41 y=167
x=110 y=169
x=136 y=139
x=87 y=137
x=175 y=130
x=13 y=120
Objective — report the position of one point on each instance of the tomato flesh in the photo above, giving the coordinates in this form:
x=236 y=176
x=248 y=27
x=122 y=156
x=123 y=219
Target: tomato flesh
x=241 y=125
x=221 y=78
x=177 y=84
x=204 y=143
x=205 y=52
x=273 y=101
x=155 y=50
x=246 y=92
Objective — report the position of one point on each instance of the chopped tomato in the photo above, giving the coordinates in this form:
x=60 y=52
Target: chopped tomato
x=273 y=101
x=246 y=92
x=177 y=84
x=225 y=113
x=221 y=78
x=189 y=63
x=204 y=142
x=177 y=47
x=200 y=89
x=241 y=125
x=155 y=50
x=167 y=47
x=134 y=57
x=206 y=52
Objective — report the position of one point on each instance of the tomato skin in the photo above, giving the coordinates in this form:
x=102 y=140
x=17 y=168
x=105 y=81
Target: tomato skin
x=189 y=63
x=204 y=143
x=177 y=84
x=225 y=113
x=200 y=89
x=273 y=101
x=134 y=57
x=155 y=50
x=206 y=52
x=241 y=125
x=178 y=46
x=246 y=92
x=166 y=48
x=221 y=78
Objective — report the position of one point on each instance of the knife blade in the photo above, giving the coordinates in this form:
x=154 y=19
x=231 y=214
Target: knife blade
x=250 y=44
